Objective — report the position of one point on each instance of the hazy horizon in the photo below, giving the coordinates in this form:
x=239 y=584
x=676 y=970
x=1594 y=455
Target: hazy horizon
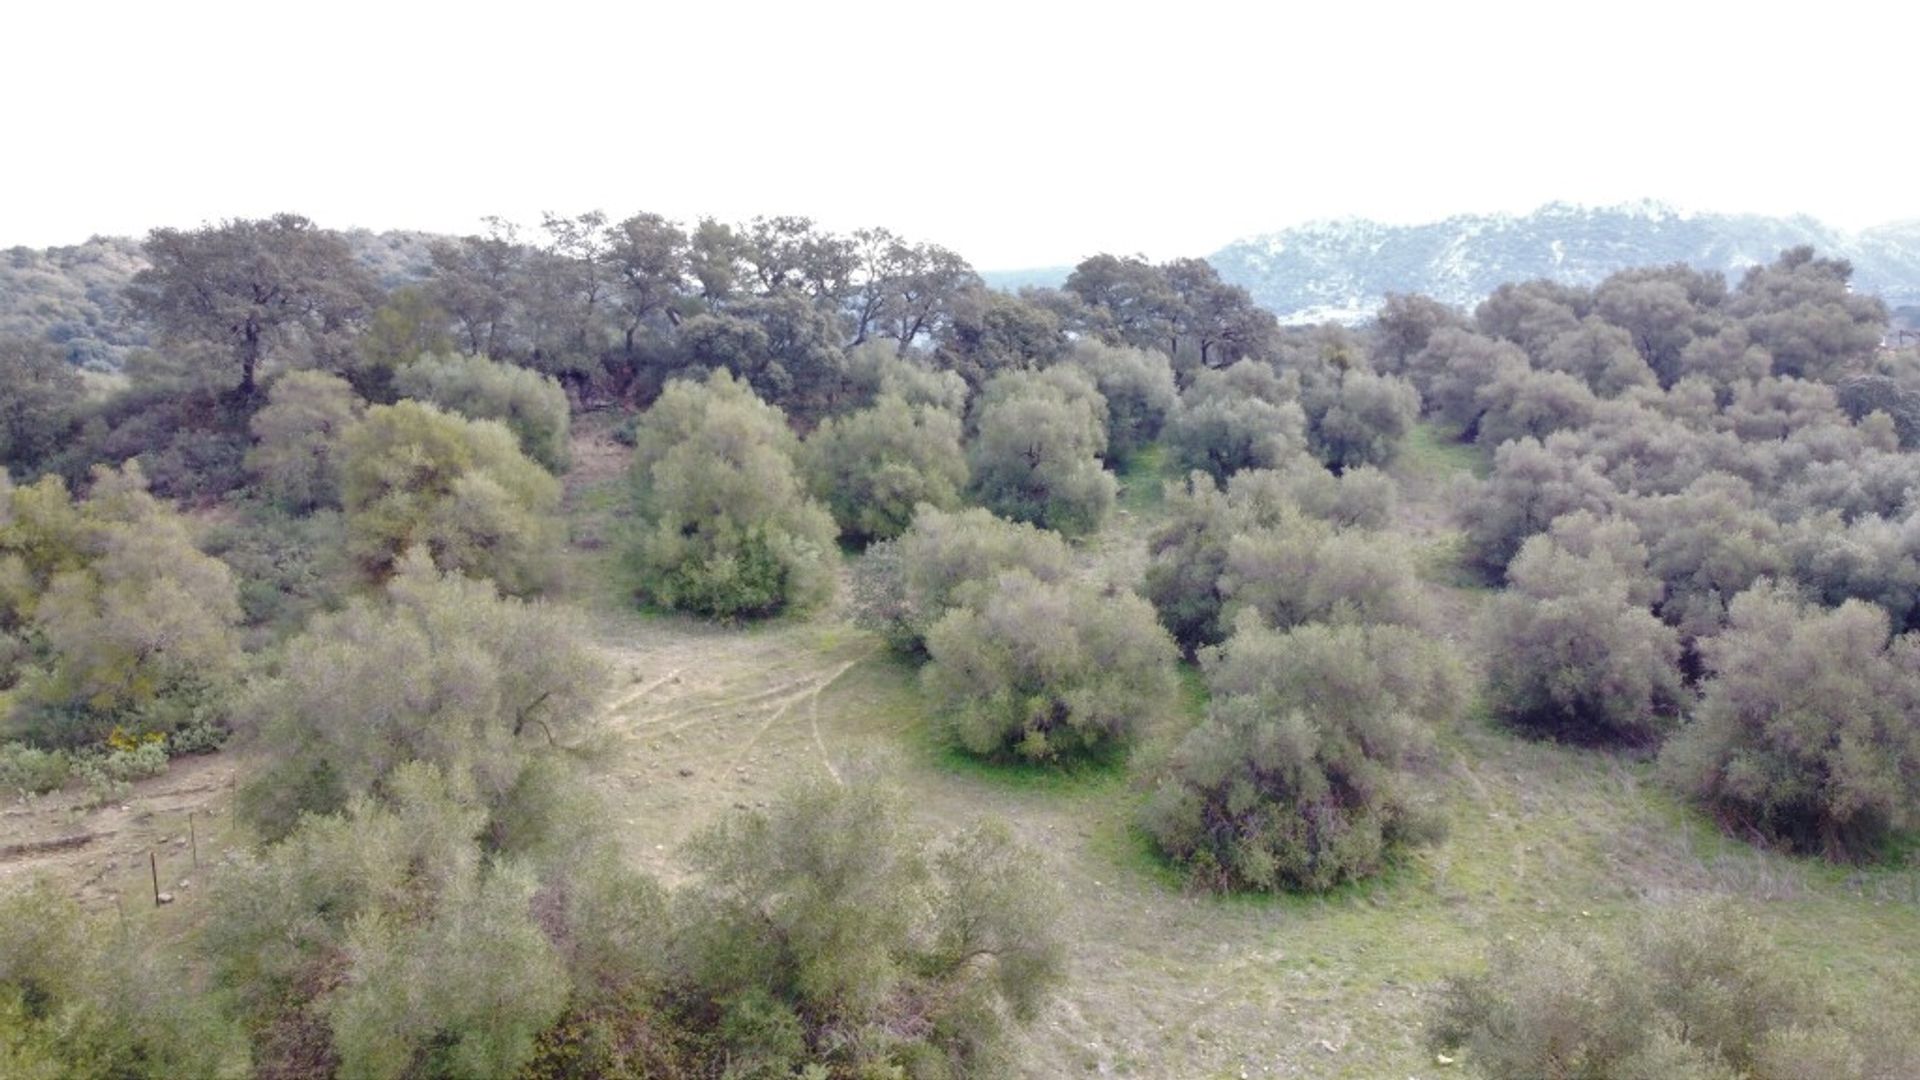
x=1020 y=136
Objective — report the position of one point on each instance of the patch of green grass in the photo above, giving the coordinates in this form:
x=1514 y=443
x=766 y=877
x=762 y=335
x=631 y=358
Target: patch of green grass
x=1142 y=481
x=1432 y=451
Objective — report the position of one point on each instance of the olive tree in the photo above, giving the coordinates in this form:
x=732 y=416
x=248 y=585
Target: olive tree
x=414 y=476
x=296 y=438
x=1291 y=543
x=1042 y=670
x=827 y=930
x=442 y=669
x=1532 y=484
x=1696 y=992
x=1244 y=417
x=1036 y=452
x=121 y=619
x=1805 y=730
x=532 y=405
x=876 y=369
x=1450 y=372
x=1139 y=391
x=1570 y=655
x=1293 y=780
x=1601 y=355
x=948 y=560
x=1366 y=420
x=1522 y=403
x=872 y=468
x=727 y=529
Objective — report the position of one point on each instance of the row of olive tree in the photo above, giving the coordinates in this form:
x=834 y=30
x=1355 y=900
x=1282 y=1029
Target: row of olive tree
x=1686 y=477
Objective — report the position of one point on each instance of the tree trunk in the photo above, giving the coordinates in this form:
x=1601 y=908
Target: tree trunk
x=250 y=361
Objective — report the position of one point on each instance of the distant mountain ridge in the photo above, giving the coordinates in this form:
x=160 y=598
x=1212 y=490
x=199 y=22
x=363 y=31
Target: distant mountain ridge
x=1342 y=270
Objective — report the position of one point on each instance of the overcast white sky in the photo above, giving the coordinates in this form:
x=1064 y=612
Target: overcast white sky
x=1020 y=134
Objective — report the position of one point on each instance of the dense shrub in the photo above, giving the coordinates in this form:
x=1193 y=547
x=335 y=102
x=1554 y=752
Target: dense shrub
x=1454 y=367
x=1138 y=387
x=1522 y=403
x=30 y=770
x=877 y=369
x=294 y=460
x=442 y=669
x=1696 y=993
x=416 y=476
x=948 y=560
x=1244 y=417
x=827 y=930
x=123 y=620
x=532 y=405
x=1805 y=731
x=1043 y=670
x=1292 y=781
x=285 y=567
x=1601 y=355
x=872 y=468
x=1531 y=485
x=1036 y=452
x=1571 y=655
x=40 y=398
x=1252 y=546
x=727 y=530
x=379 y=941
x=1367 y=418
x=79 y=1000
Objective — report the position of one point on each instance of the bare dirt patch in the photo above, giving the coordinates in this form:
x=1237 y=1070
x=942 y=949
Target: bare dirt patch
x=101 y=853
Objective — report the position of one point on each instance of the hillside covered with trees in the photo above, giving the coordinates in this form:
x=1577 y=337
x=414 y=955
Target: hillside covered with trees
x=642 y=648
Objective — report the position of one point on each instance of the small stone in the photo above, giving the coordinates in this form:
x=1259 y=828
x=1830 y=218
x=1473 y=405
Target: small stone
x=165 y=898
x=185 y=884
x=1442 y=1059
x=686 y=772
x=1329 y=1047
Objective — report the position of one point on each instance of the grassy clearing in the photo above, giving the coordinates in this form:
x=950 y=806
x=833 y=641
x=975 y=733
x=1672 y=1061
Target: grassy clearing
x=1143 y=480
x=1434 y=451
x=1169 y=984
